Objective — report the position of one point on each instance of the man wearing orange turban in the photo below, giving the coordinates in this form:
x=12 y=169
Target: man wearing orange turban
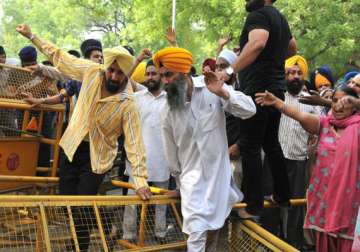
x=195 y=144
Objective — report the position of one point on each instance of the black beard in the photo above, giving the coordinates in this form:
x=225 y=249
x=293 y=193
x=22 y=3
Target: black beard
x=112 y=86
x=176 y=94
x=253 y=5
x=152 y=86
x=294 y=87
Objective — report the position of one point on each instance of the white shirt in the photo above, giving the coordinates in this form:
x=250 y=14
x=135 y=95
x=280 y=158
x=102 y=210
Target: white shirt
x=197 y=151
x=292 y=137
x=149 y=108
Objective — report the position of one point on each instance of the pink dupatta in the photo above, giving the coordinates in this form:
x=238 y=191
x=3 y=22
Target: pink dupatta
x=334 y=189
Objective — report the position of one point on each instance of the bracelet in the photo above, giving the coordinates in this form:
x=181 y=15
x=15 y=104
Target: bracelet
x=282 y=109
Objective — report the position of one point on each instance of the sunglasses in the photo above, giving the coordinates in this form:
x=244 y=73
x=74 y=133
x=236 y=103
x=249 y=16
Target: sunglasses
x=221 y=66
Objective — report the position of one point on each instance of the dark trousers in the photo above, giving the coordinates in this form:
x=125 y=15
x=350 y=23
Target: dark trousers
x=261 y=131
x=294 y=220
x=77 y=178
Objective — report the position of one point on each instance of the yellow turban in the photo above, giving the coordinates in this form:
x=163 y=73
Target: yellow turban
x=174 y=58
x=139 y=73
x=119 y=54
x=300 y=61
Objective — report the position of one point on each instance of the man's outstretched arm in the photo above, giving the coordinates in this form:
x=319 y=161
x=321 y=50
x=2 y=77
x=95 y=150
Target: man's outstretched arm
x=69 y=65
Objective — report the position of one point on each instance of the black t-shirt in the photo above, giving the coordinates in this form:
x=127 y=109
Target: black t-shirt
x=267 y=71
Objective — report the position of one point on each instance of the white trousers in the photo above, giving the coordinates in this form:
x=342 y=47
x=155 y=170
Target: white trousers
x=203 y=241
x=130 y=216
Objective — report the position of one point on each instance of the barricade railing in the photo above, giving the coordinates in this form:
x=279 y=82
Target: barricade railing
x=60 y=223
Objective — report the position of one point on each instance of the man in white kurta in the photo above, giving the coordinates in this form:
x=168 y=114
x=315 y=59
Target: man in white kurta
x=150 y=101
x=196 y=146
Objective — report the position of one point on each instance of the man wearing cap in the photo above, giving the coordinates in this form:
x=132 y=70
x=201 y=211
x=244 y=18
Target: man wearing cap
x=196 y=146
x=28 y=56
x=92 y=49
x=150 y=102
x=104 y=111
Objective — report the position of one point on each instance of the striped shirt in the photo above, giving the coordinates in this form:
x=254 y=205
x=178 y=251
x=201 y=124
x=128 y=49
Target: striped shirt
x=293 y=138
x=101 y=120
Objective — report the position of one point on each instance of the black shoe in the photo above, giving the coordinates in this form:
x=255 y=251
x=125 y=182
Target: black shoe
x=274 y=202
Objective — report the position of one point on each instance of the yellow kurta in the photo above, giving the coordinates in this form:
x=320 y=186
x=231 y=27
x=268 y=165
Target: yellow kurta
x=101 y=120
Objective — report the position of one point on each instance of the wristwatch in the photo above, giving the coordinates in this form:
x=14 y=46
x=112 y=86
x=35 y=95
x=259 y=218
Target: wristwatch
x=229 y=70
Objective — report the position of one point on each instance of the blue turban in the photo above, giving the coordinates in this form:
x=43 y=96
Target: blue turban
x=350 y=75
x=28 y=54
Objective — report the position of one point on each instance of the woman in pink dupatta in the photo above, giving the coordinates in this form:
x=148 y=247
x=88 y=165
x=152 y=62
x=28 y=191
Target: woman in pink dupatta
x=334 y=190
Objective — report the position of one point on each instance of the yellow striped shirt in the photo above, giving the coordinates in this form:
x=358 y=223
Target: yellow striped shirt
x=101 y=120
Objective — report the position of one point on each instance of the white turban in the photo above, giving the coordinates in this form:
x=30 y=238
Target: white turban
x=228 y=55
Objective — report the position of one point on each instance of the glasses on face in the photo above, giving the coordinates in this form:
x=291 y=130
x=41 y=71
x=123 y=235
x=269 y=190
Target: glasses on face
x=221 y=66
x=167 y=75
x=150 y=73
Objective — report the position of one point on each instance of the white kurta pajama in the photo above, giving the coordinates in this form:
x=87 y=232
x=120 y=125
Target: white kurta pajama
x=158 y=170
x=197 y=150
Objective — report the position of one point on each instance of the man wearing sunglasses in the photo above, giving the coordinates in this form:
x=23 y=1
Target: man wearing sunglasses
x=196 y=146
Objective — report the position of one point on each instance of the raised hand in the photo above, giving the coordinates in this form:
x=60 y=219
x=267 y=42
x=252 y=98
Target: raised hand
x=145 y=54
x=24 y=30
x=224 y=40
x=171 y=36
x=215 y=84
x=314 y=99
x=266 y=99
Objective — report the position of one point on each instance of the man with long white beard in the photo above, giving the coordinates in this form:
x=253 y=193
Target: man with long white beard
x=196 y=146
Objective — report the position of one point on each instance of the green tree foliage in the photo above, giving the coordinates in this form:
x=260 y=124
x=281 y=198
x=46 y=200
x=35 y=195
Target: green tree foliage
x=328 y=32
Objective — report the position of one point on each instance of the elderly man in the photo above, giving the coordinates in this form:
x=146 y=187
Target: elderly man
x=104 y=111
x=196 y=146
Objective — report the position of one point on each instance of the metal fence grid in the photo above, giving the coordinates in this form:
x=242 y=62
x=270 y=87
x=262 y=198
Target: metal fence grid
x=96 y=223
x=85 y=225
x=14 y=81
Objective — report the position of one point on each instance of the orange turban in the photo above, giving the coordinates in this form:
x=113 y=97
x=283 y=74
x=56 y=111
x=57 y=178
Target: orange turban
x=321 y=80
x=174 y=58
